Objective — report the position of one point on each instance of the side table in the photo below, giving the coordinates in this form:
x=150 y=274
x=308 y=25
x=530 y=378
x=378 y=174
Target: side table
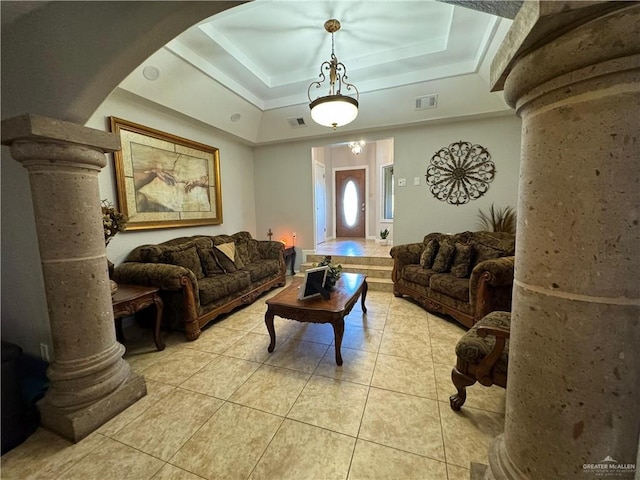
x=130 y=299
x=290 y=254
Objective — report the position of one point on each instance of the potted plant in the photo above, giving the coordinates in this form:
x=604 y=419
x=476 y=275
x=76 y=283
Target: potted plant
x=333 y=273
x=498 y=220
x=383 y=236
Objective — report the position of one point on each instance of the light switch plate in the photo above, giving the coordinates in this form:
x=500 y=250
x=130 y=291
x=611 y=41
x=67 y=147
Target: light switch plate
x=416 y=180
x=402 y=182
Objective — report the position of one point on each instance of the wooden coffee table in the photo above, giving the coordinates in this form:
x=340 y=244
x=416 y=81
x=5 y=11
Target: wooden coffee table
x=345 y=294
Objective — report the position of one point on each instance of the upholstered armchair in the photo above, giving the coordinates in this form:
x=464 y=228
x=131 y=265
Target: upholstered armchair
x=482 y=356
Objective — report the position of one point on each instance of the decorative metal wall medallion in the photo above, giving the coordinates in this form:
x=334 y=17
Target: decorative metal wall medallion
x=460 y=172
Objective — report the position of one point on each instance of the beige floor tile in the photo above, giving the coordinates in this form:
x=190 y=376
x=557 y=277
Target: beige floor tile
x=405 y=375
x=141 y=359
x=332 y=404
x=371 y=320
x=443 y=351
x=178 y=366
x=284 y=328
x=220 y=378
x=230 y=444
x=251 y=347
x=415 y=324
x=216 y=340
x=243 y=321
x=300 y=451
x=155 y=392
x=478 y=396
x=468 y=434
x=377 y=462
x=45 y=455
x=357 y=365
x=169 y=472
x=297 y=355
x=457 y=473
x=366 y=339
x=271 y=389
x=445 y=327
x=164 y=428
x=407 y=345
x=403 y=421
x=114 y=460
x=315 y=332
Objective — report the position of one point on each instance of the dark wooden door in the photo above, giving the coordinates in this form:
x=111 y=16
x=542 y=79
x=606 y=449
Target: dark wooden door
x=350 y=203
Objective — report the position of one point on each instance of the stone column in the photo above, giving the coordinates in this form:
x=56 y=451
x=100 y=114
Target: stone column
x=89 y=381
x=572 y=72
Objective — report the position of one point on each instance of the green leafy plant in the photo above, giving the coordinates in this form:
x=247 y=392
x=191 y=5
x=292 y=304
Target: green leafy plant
x=384 y=233
x=498 y=220
x=333 y=272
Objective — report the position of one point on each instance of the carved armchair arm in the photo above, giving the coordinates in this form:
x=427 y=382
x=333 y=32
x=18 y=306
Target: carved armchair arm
x=272 y=250
x=483 y=370
x=162 y=275
x=490 y=286
x=407 y=254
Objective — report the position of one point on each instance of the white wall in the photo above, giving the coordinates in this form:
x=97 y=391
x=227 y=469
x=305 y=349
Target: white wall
x=417 y=211
x=284 y=189
x=236 y=171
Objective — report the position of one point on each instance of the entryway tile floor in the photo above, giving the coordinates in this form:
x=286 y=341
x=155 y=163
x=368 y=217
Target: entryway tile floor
x=223 y=407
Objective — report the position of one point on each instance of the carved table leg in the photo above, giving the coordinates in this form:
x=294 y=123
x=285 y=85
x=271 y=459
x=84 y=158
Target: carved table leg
x=156 y=334
x=268 y=320
x=365 y=289
x=338 y=331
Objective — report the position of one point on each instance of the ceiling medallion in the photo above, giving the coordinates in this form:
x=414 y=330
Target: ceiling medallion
x=460 y=173
x=333 y=110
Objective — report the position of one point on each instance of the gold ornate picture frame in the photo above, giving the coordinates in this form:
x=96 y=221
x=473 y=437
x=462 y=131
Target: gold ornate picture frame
x=165 y=181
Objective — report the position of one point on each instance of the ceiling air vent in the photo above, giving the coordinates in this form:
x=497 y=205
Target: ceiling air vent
x=296 y=122
x=427 y=101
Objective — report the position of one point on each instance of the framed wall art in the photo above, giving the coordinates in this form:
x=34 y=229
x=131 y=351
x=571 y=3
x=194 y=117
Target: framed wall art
x=460 y=173
x=165 y=181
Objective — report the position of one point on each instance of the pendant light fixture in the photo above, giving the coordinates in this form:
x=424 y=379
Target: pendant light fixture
x=333 y=110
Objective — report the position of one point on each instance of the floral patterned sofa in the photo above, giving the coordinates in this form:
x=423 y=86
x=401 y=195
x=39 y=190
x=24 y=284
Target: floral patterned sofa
x=202 y=277
x=465 y=275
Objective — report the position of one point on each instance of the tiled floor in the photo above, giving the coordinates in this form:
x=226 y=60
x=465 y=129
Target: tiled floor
x=353 y=247
x=223 y=407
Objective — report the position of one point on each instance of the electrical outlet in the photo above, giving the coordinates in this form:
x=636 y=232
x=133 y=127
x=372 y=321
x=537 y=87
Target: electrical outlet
x=402 y=182
x=44 y=352
x=416 y=181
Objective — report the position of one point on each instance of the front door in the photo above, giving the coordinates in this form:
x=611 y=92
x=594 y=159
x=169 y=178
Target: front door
x=350 y=203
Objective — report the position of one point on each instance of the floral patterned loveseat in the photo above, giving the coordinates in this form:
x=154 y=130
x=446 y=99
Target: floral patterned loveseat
x=202 y=277
x=465 y=275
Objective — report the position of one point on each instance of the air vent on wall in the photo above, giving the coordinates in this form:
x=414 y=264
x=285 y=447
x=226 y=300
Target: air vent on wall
x=296 y=122
x=427 y=101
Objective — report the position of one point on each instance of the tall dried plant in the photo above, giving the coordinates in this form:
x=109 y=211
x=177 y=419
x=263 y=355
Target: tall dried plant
x=498 y=220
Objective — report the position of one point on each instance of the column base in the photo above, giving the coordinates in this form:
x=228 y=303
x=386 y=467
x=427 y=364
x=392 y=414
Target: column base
x=501 y=467
x=76 y=425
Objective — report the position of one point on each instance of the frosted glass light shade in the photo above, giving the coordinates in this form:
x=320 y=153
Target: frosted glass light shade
x=334 y=110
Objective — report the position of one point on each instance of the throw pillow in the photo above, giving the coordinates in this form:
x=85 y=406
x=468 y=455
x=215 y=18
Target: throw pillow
x=242 y=253
x=429 y=253
x=485 y=252
x=226 y=254
x=210 y=264
x=443 y=259
x=187 y=258
x=461 y=260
